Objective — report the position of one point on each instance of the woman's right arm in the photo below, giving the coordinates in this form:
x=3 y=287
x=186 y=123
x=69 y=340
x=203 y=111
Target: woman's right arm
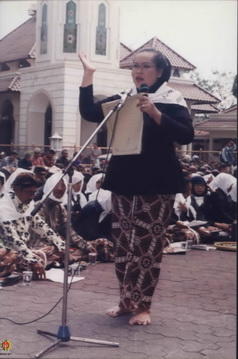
x=89 y=110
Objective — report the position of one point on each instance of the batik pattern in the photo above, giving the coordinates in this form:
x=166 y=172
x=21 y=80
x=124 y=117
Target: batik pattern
x=139 y=223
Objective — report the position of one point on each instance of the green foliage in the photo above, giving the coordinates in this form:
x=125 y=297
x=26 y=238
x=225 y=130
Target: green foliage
x=219 y=84
x=234 y=87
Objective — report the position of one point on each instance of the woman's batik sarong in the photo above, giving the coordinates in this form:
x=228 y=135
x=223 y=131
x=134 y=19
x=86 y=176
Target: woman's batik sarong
x=139 y=223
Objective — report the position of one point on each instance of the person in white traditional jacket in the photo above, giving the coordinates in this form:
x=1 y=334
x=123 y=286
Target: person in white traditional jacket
x=17 y=222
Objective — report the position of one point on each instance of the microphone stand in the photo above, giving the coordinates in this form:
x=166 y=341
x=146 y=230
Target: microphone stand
x=63 y=334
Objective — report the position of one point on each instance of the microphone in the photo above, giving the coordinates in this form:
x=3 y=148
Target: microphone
x=144 y=89
x=124 y=94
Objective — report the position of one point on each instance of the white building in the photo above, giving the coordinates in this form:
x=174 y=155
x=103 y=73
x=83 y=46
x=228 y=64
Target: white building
x=40 y=72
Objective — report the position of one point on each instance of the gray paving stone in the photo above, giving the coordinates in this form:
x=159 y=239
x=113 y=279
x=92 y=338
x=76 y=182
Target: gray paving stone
x=194 y=313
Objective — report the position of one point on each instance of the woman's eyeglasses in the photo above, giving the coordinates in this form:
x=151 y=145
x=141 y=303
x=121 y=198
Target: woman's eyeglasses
x=144 y=66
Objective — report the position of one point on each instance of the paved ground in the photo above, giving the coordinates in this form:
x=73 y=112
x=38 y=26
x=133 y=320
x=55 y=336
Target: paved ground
x=194 y=313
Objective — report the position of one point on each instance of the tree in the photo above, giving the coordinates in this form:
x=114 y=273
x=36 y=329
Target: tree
x=220 y=84
x=234 y=87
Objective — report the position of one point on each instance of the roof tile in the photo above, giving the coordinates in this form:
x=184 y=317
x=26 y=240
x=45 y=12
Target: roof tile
x=193 y=92
x=175 y=59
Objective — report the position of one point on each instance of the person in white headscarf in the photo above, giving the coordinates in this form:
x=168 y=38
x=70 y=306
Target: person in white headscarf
x=77 y=185
x=17 y=225
x=12 y=177
x=94 y=183
x=223 y=181
x=55 y=214
x=78 y=198
x=2 y=182
x=102 y=196
x=223 y=194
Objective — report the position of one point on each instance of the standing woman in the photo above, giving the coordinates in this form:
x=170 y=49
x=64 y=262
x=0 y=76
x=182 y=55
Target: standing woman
x=143 y=186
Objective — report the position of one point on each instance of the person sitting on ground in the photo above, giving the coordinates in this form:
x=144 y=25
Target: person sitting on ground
x=93 y=220
x=77 y=163
x=179 y=230
x=180 y=207
x=2 y=159
x=17 y=224
x=26 y=162
x=37 y=159
x=2 y=182
x=63 y=161
x=78 y=198
x=87 y=172
x=55 y=214
x=93 y=184
x=202 y=205
x=104 y=198
x=11 y=162
x=49 y=158
x=8 y=184
x=224 y=168
x=197 y=202
x=224 y=208
x=40 y=175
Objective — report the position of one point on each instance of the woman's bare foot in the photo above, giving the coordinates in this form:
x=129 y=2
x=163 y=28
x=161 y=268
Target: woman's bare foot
x=117 y=312
x=142 y=318
x=86 y=64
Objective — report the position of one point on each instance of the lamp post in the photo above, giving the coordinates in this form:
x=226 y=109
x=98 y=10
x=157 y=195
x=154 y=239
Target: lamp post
x=56 y=142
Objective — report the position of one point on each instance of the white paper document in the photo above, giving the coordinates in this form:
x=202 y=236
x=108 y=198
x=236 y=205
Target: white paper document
x=127 y=134
x=57 y=275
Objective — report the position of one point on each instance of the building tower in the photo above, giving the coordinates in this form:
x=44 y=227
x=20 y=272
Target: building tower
x=49 y=89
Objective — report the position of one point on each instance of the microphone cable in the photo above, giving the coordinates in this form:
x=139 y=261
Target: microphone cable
x=43 y=315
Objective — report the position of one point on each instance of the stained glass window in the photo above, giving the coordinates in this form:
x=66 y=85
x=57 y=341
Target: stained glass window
x=101 y=31
x=44 y=31
x=70 y=28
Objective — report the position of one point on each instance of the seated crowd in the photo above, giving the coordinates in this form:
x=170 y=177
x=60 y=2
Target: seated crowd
x=204 y=213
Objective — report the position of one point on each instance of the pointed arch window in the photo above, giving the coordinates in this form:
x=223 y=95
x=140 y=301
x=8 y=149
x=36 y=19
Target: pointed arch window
x=101 y=31
x=44 y=30
x=70 y=28
x=7 y=125
x=48 y=125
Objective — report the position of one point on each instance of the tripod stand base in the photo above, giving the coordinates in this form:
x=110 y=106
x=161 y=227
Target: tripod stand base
x=65 y=337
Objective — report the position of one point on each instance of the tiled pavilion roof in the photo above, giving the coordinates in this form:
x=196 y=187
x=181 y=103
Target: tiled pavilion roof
x=124 y=51
x=233 y=108
x=176 y=60
x=193 y=92
x=223 y=121
x=217 y=125
x=204 y=108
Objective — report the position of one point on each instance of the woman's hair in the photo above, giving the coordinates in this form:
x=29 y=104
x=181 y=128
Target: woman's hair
x=198 y=180
x=24 y=180
x=161 y=62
